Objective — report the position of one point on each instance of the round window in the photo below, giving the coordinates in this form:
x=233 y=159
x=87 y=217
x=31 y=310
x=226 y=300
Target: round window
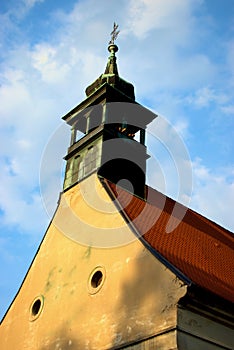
x=96 y=279
x=36 y=307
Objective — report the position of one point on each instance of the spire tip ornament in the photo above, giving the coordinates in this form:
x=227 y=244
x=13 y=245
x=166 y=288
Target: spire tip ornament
x=112 y=47
x=114 y=34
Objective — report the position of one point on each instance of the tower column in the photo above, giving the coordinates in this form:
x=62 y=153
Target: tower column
x=73 y=134
x=142 y=136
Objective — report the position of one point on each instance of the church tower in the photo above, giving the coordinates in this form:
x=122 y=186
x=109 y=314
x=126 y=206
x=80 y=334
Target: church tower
x=110 y=119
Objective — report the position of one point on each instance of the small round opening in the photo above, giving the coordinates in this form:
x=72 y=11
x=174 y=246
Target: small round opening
x=96 y=279
x=36 y=307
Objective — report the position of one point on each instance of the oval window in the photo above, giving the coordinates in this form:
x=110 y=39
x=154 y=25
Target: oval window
x=96 y=279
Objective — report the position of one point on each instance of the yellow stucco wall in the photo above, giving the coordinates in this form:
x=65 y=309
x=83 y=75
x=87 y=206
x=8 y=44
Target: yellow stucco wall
x=135 y=299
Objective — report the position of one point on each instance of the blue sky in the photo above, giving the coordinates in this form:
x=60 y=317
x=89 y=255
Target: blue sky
x=179 y=54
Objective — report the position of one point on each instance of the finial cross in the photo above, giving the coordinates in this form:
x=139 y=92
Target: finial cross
x=114 y=34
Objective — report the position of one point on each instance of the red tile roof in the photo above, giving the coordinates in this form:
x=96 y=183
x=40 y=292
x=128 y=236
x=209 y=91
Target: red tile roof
x=200 y=249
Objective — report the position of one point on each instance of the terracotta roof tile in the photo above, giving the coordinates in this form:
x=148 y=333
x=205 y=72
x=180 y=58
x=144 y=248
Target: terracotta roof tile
x=200 y=249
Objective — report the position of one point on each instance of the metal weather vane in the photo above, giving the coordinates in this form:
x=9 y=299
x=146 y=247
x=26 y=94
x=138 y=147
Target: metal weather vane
x=114 y=34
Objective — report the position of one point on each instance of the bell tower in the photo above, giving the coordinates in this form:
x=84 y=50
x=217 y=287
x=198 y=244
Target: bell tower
x=108 y=132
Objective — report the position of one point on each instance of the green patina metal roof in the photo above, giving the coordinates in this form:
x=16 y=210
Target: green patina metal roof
x=111 y=77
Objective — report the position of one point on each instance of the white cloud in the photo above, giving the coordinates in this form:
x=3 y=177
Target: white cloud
x=45 y=59
x=15 y=12
x=181 y=127
x=205 y=96
x=213 y=194
x=19 y=201
x=228 y=109
x=30 y=3
x=146 y=15
x=169 y=168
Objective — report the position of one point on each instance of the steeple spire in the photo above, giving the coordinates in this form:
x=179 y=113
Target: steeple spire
x=111 y=67
x=111 y=75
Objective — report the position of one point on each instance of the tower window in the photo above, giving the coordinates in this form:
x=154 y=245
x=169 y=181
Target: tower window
x=91 y=159
x=76 y=167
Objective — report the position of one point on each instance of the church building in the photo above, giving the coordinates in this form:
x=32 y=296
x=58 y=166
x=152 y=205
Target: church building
x=118 y=268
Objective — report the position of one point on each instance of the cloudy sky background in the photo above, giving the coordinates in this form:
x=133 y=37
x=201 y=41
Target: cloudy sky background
x=179 y=54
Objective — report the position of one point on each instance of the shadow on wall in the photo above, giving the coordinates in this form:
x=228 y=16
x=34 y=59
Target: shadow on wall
x=63 y=341
x=145 y=297
x=147 y=302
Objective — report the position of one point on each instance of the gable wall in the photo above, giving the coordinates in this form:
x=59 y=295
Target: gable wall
x=136 y=298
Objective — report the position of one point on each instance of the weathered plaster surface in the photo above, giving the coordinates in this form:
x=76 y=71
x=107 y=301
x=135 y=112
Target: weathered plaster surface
x=136 y=299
